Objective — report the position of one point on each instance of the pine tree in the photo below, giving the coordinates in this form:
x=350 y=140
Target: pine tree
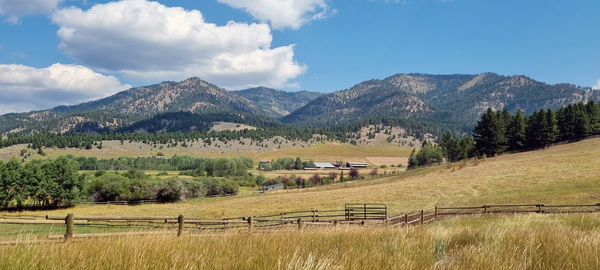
x=551 y=128
x=536 y=126
x=593 y=111
x=490 y=134
x=582 y=126
x=516 y=132
x=506 y=119
x=450 y=147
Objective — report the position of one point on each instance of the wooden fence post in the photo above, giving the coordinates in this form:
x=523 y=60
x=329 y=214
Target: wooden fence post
x=436 y=213
x=406 y=219
x=540 y=207
x=485 y=207
x=386 y=212
x=299 y=224
x=422 y=217
x=314 y=215
x=181 y=221
x=250 y=224
x=69 y=221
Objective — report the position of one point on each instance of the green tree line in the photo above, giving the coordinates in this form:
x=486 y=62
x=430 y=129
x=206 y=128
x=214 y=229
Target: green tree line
x=217 y=167
x=500 y=131
x=49 y=183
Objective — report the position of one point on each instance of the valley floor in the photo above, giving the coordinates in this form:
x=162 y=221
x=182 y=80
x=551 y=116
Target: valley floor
x=376 y=154
x=561 y=174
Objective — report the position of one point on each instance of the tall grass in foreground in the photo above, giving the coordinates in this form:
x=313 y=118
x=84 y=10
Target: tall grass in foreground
x=507 y=242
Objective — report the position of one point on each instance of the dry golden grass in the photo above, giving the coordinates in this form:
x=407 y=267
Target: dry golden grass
x=388 y=161
x=316 y=151
x=220 y=126
x=507 y=242
x=330 y=152
x=561 y=174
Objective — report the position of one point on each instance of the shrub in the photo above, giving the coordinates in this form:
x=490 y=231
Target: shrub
x=315 y=179
x=299 y=181
x=429 y=154
x=170 y=190
x=271 y=182
x=214 y=186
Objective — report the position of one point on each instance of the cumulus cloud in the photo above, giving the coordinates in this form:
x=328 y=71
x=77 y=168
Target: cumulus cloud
x=597 y=86
x=145 y=40
x=15 y=9
x=24 y=88
x=282 y=13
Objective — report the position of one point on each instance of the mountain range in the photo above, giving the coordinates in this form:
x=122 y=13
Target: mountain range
x=441 y=97
x=411 y=96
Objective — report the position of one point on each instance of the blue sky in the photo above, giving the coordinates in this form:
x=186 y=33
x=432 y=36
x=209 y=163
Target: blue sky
x=318 y=45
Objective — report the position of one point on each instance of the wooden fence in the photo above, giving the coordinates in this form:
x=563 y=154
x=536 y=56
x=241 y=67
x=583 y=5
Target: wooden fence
x=291 y=220
x=429 y=215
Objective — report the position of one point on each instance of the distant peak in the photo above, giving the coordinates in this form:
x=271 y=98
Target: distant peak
x=193 y=79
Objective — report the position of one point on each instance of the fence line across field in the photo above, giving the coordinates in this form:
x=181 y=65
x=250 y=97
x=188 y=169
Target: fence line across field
x=374 y=216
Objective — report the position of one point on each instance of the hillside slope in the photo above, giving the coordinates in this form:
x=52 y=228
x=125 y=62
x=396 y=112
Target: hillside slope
x=279 y=103
x=367 y=99
x=191 y=95
x=467 y=96
x=439 y=97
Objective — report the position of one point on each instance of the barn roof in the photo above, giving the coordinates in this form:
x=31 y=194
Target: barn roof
x=324 y=165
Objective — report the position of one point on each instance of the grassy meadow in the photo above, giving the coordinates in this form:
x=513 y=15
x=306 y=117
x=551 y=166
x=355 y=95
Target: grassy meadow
x=499 y=242
x=379 y=154
x=561 y=174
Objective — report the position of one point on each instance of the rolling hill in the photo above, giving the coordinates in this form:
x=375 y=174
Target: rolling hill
x=280 y=103
x=127 y=107
x=438 y=97
x=366 y=99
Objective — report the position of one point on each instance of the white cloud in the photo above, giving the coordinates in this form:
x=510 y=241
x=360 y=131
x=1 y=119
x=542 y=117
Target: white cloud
x=15 y=9
x=146 y=40
x=282 y=13
x=24 y=88
x=597 y=86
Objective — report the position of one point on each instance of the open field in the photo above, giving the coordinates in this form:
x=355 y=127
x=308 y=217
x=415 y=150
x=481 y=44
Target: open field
x=220 y=126
x=561 y=174
x=502 y=242
x=315 y=151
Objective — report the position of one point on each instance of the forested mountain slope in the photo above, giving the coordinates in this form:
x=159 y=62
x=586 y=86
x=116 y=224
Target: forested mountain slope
x=453 y=99
x=438 y=97
x=280 y=103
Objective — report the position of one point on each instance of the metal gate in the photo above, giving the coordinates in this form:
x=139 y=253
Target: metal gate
x=364 y=211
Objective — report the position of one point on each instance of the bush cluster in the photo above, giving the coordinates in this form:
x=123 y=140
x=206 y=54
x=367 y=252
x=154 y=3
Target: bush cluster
x=130 y=186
